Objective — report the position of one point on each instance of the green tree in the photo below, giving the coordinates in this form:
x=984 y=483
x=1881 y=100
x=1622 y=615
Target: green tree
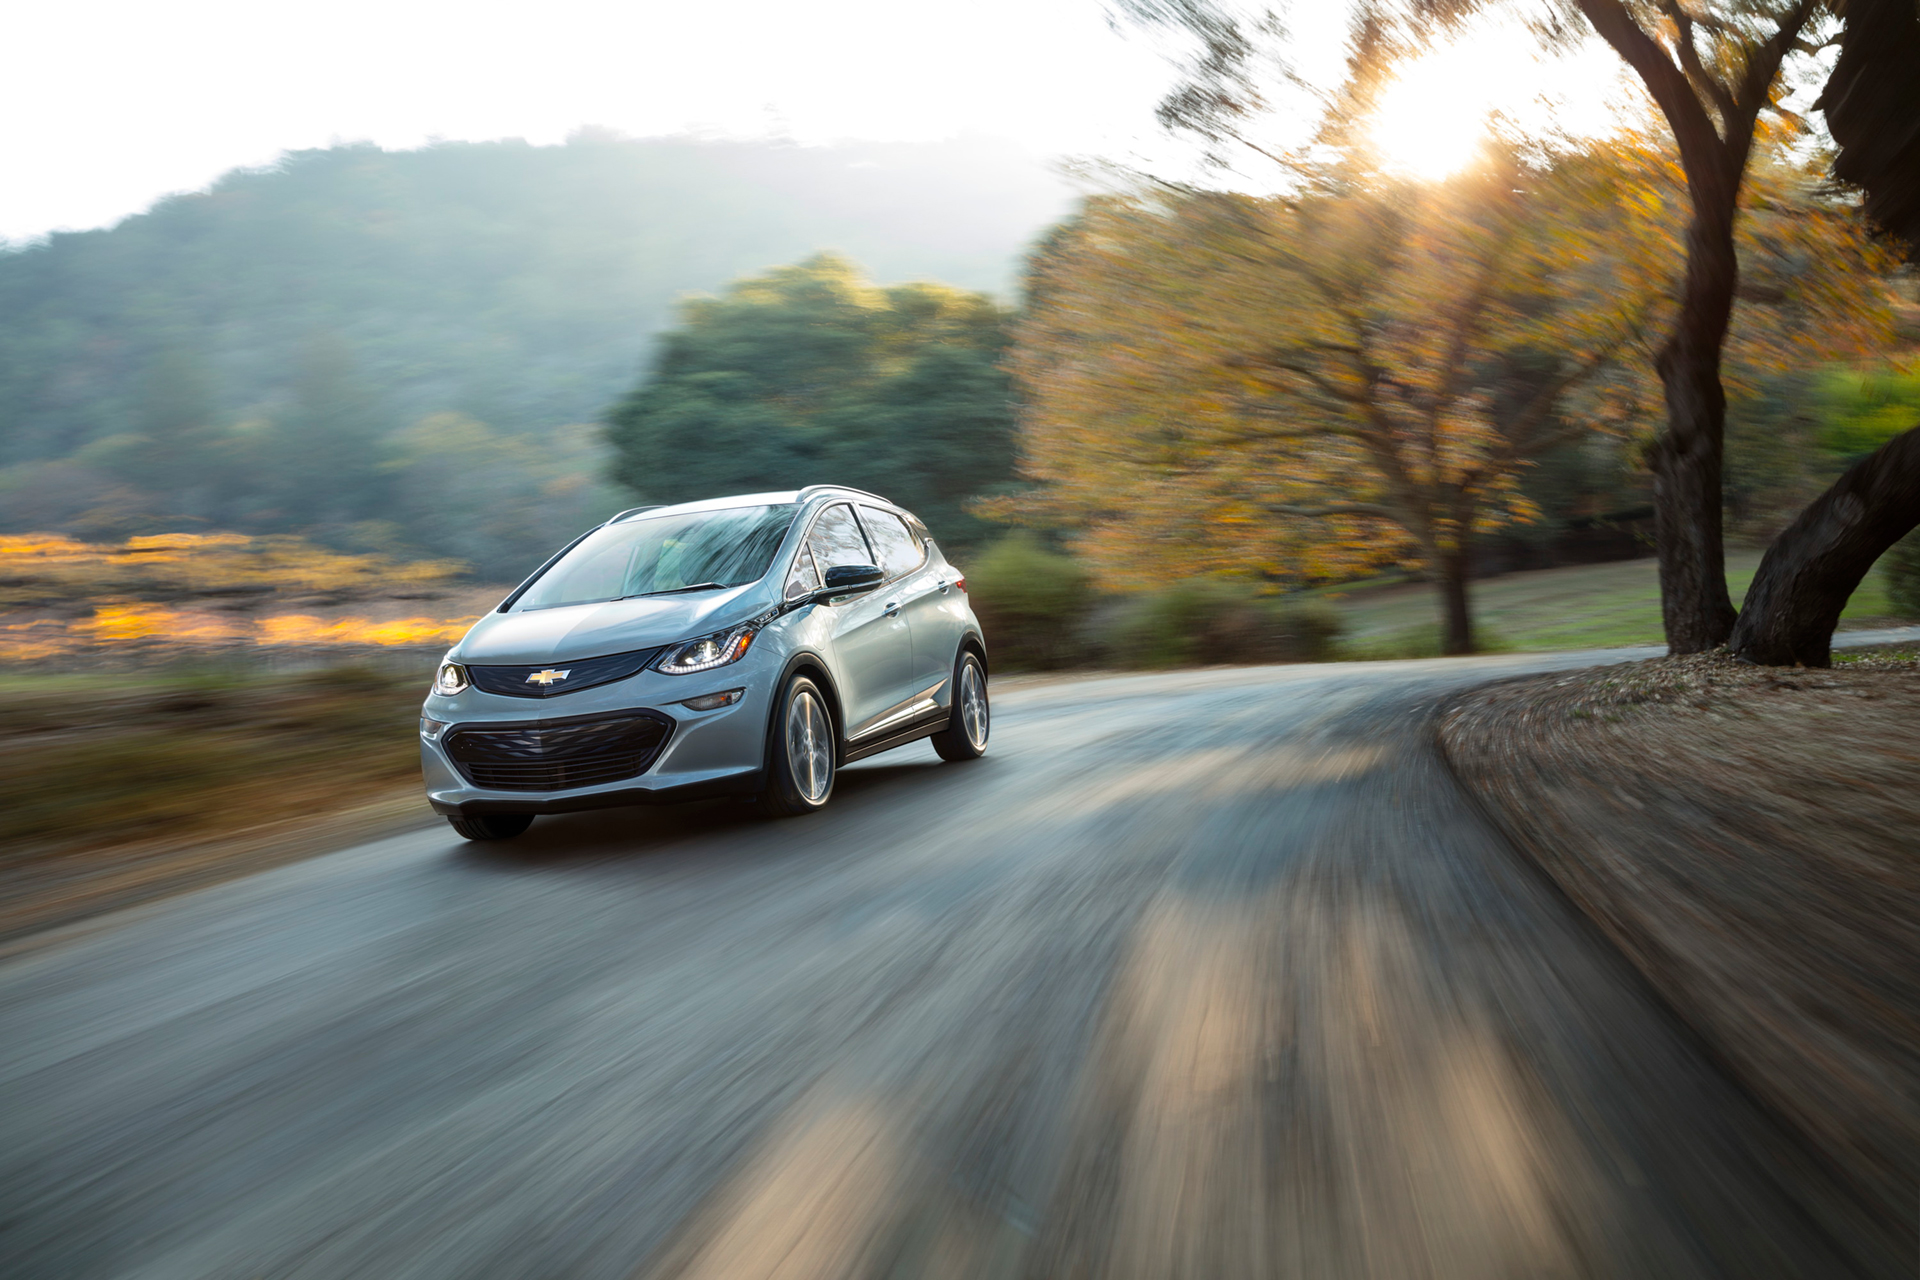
x=809 y=374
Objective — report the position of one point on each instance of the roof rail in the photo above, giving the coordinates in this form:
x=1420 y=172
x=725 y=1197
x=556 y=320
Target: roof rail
x=812 y=489
x=633 y=511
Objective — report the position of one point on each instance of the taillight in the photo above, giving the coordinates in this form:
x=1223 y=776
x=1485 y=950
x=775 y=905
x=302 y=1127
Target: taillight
x=960 y=583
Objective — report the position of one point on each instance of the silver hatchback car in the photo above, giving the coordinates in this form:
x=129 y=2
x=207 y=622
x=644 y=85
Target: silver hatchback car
x=740 y=646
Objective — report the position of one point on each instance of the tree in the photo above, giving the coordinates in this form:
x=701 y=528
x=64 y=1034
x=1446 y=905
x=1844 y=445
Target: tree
x=1297 y=387
x=1712 y=69
x=1872 y=103
x=1818 y=560
x=1711 y=74
x=808 y=374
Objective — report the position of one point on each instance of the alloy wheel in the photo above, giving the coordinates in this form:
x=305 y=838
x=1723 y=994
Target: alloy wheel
x=973 y=705
x=809 y=746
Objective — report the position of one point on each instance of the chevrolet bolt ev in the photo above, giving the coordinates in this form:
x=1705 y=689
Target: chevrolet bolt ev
x=740 y=646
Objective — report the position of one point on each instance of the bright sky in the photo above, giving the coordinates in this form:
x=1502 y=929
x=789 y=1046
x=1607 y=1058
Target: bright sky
x=107 y=104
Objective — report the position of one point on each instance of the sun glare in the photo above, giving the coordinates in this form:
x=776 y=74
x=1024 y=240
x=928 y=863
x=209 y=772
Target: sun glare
x=1437 y=113
x=1432 y=119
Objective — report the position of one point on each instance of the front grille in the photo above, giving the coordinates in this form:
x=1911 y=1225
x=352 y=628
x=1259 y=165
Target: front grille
x=552 y=755
x=551 y=679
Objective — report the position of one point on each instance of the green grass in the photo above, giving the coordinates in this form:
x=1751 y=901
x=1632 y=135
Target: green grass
x=1582 y=607
x=1421 y=640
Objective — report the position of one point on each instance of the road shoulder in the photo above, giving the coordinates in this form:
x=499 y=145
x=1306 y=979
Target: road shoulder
x=1747 y=837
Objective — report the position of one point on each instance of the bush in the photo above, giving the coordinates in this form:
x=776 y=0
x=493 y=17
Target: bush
x=1032 y=603
x=1902 y=567
x=1201 y=622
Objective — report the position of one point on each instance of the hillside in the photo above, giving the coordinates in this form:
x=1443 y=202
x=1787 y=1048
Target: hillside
x=358 y=313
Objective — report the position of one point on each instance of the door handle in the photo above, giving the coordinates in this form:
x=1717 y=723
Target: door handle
x=892 y=608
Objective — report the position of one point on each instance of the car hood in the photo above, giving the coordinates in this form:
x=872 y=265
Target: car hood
x=569 y=633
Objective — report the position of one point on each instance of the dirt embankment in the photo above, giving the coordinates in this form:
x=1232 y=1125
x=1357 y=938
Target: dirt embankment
x=1750 y=837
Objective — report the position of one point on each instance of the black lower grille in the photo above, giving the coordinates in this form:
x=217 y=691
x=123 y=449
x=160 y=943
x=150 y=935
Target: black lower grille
x=552 y=755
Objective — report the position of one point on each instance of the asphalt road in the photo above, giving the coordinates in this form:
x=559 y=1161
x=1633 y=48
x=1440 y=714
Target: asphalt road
x=1214 y=974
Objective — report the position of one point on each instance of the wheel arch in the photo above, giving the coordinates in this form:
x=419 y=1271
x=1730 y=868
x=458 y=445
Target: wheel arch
x=973 y=642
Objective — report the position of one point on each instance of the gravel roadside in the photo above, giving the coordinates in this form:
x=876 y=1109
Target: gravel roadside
x=1750 y=838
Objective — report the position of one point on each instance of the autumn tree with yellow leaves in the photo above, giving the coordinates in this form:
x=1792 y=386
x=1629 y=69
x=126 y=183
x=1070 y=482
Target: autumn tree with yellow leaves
x=1361 y=370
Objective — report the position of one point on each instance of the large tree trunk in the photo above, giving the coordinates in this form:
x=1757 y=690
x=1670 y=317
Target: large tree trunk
x=1456 y=614
x=1815 y=564
x=1687 y=456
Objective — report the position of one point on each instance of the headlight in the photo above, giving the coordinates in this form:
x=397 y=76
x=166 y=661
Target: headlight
x=708 y=652
x=450 y=679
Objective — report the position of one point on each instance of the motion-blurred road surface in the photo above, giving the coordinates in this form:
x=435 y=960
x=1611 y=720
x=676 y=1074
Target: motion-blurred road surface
x=1214 y=974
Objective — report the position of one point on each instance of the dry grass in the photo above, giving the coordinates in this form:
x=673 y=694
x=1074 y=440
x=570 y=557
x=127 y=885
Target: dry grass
x=124 y=787
x=1750 y=837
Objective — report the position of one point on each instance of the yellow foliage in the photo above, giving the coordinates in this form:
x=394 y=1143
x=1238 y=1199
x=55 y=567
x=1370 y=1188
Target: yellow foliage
x=141 y=593
x=42 y=566
x=304 y=628
x=121 y=622
x=1361 y=370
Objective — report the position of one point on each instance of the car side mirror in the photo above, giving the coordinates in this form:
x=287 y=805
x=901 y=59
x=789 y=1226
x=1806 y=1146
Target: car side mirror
x=849 y=579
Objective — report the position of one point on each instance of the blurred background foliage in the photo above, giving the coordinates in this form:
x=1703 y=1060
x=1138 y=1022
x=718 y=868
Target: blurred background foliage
x=809 y=374
x=1370 y=370
x=172 y=566
x=358 y=377
x=396 y=350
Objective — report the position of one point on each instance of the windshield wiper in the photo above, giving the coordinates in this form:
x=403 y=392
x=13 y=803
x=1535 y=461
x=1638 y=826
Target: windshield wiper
x=670 y=591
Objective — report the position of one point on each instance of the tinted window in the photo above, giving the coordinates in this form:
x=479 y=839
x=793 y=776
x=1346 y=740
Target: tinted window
x=835 y=540
x=899 y=553
x=729 y=547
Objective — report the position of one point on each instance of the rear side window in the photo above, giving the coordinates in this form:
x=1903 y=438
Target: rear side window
x=898 y=550
x=835 y=540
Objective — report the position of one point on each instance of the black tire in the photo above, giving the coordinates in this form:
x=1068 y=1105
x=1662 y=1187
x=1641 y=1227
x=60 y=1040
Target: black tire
x=969 y=723
x=802 y=752
x=491 y=826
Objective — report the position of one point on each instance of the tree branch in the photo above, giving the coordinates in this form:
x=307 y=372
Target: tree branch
x=1755 y=90
x=1702 y=80
x=1703 y=151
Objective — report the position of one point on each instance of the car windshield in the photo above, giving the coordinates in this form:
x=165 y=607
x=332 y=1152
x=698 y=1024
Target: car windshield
x=664 y=553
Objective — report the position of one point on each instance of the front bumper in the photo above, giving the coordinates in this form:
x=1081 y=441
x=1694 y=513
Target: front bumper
x=718 y=752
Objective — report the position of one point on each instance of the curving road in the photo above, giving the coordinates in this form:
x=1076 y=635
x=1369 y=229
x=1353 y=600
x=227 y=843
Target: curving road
x=1212 y=974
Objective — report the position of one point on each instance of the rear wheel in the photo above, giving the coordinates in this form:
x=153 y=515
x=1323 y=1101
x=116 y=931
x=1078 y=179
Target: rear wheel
x=492 y=826
x=801 y=771
x=965 y=737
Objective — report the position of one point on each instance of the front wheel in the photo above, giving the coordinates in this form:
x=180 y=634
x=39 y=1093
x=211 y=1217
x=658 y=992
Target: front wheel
x=965 y=737
x=800 y=774
x=492 y=826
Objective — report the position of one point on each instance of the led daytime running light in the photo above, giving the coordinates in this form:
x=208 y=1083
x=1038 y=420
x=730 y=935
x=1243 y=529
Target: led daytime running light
x=708 y=652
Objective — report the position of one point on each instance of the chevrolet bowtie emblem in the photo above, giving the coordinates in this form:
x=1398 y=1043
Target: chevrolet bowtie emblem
x=548 y=676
